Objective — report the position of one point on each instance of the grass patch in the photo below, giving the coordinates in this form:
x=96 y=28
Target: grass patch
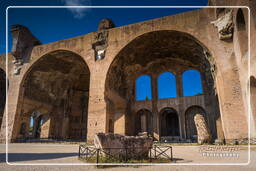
x=109 y=159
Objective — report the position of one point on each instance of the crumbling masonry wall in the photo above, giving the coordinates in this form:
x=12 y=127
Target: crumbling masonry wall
x=230 y=79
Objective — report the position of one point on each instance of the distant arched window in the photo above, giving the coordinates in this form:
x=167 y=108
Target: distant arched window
x=166 y=85
x=143 y=88
x=191 y=83
x=240 y=21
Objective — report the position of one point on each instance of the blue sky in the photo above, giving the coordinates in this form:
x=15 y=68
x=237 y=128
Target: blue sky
x=166 y=85
x=191 y=83
x=50 y=24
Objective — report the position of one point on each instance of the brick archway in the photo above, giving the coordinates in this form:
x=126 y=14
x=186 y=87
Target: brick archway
x=57 y=84
x=152 y=54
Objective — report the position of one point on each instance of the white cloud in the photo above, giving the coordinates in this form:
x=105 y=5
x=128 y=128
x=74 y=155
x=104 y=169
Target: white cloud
x=78 y=13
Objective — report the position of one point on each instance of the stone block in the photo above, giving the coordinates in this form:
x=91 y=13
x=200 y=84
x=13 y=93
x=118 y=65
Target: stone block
x=126 y=147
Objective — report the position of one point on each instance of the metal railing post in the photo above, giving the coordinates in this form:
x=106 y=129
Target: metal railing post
x=150 y=160
x=79 y=151
x=125 y=159
x=97 y=160
x=86 y=155
x=171 y=155
x=155 y=150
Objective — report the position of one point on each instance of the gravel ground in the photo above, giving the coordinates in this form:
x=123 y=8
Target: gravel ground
x=67 y=153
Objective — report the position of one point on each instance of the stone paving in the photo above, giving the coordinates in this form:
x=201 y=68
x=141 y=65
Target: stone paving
x=67 y=153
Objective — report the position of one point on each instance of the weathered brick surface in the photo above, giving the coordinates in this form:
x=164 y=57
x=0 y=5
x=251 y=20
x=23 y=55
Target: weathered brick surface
x=106 y=98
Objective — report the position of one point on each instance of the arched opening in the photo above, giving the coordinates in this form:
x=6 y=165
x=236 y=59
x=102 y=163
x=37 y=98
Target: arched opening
x=143 y=122
x=240 y=21
x=39 y=126
x=169 y=123
x=143 y=88
x=155 y=53
x=166 y=84
x=54 y=97
x=253 y=97
x=241 y=35
x=191 y=83
x=191 y=131
x=2 y=94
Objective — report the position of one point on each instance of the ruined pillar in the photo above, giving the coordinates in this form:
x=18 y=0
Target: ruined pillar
x=65 y=128
x=45 y=127
x=179 y=84
x=156 y=132
x=143 y=122
x=203 y=132
x=180 y=111
x=97 y=106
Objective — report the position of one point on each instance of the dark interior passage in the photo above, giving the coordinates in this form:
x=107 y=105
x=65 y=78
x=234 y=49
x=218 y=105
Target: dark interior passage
x=169 y=123
x=56 y=89
x=143 y=122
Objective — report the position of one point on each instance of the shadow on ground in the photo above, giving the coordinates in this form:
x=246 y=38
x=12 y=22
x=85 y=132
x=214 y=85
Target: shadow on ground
x=17 y=157
x=180 y=160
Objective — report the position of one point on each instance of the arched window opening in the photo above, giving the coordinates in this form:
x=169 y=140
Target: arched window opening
x=191 y=83
x=143 y=88
x=240 y=21
x=166 y=85
x=31 y=126
x=39 y=125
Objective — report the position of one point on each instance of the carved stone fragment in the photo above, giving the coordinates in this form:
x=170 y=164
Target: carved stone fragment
x=106 y=24
x=22 y=44
x=225 y=25
x=100 y=42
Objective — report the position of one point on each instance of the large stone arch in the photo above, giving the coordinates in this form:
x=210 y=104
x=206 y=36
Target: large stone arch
x=195 y=24
x=57 y=83
x=153 y=53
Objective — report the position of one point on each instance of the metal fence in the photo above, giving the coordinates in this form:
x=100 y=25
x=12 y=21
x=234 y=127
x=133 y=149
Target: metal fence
x=92 y=154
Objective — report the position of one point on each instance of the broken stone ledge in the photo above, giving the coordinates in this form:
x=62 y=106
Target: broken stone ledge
x=128 y=147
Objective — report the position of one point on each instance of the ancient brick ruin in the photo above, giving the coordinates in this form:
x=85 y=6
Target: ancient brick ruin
x=75 y=88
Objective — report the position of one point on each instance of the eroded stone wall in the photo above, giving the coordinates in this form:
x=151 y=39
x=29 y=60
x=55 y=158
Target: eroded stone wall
x=219 y=57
